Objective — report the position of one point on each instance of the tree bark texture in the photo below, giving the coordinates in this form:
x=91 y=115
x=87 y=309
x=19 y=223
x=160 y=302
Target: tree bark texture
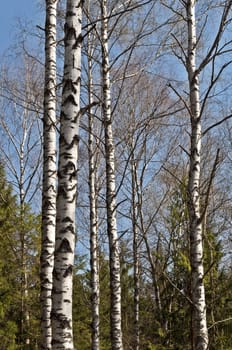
x=62 y=327
x=115 y=312
x=199 y=323
x=49 y=176
x=94 y=249
x=135 y=251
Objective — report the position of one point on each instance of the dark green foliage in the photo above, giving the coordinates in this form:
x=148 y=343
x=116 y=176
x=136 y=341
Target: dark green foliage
x=8 y=263
x=168 y=331
x=218 y=293
x=11 y=270
x=82 y=311
x=82 y=305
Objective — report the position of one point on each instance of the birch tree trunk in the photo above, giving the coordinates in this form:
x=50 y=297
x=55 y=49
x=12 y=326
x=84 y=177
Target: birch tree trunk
x=135 y=251
x=49 y=176
x=199 y=323
x=62 y=328
x=94 y=252
x=115 y=286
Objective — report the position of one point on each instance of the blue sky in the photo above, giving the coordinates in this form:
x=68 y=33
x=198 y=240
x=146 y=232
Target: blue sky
x=11 y=10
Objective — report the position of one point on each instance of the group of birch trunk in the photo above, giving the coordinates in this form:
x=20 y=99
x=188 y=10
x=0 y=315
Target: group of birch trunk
x=87 y=27
x=59 y=227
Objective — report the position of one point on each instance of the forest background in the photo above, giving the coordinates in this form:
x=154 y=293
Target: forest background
x=150 y=91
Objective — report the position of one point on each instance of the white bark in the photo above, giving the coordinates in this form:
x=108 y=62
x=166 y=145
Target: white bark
x=115 y=287
x=94 y=249
x=49 y=175
x=199 y=323
x=135 y=252
x=62 y=328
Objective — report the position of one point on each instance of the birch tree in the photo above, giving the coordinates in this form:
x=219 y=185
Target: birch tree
x=196 y=213
x=49 y=175
x=62 y=337
x=135 y=250
x=199 y=322
x=115 y=313
x=191 y=56
x=93 y=239
x=94 y=249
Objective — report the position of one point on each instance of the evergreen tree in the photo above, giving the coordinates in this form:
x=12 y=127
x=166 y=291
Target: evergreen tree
x=8 y=263
x=10 y=270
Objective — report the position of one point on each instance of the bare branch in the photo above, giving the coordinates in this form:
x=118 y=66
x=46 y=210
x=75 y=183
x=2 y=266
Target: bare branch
x=220 y=321
x=217 y=39
x=216 y=124
x=181 y=98
x=212 y=176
